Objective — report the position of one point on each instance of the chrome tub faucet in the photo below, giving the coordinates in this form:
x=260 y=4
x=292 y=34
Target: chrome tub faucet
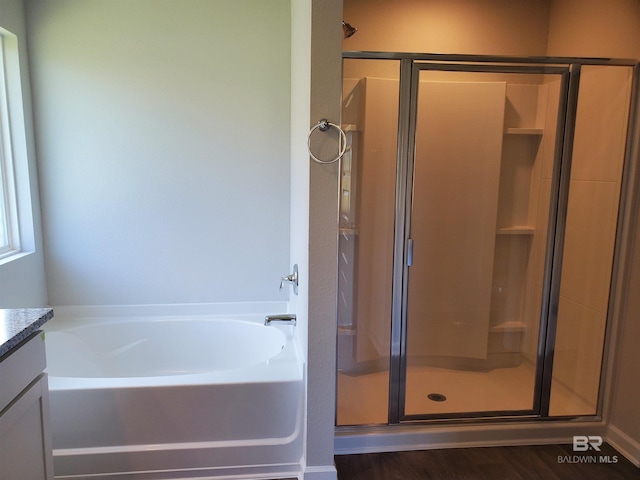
x=286 y=318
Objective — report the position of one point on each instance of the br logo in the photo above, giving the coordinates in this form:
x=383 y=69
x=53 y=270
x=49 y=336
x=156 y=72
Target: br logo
x=583 y=443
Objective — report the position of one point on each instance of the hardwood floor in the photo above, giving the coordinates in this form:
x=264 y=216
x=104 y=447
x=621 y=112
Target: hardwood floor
x=543 y=462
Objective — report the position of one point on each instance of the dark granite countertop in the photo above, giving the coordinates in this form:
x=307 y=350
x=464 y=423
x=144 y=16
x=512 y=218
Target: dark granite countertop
x=18 y=323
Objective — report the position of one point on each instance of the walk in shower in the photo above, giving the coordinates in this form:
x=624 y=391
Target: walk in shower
x=480 y=200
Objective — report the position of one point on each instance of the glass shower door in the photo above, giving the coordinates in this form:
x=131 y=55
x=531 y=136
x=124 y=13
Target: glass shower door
x=484 y=149
x=478 y=226
x=365 y=244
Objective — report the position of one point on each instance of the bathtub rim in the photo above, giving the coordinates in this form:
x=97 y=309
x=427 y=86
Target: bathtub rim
x=285 y=366
x=171 y=309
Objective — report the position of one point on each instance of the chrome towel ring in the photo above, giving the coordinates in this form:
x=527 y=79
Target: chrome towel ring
x=323 y=125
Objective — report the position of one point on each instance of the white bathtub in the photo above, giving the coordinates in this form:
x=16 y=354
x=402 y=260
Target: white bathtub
x=174 y=397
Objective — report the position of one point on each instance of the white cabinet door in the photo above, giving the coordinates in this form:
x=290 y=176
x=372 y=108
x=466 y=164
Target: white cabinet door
x=25 y=448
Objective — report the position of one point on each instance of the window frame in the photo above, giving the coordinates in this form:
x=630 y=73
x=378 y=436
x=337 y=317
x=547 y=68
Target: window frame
x=9 y=222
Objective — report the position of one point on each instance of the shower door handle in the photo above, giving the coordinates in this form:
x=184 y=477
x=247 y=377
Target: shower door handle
x=409 y=252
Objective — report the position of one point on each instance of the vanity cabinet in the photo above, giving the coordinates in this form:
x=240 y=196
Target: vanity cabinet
x=25 y=438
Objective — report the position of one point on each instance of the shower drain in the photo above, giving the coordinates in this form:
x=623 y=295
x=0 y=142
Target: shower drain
x=436 y=397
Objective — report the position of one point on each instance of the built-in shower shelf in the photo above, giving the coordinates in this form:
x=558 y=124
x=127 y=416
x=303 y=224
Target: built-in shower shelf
x=523 y=131
x=346 y=330
x=516 y=230
x=348 y=231
x=508 y=327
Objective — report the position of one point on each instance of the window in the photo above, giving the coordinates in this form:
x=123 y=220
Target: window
x=9 y=231
x=16 y=216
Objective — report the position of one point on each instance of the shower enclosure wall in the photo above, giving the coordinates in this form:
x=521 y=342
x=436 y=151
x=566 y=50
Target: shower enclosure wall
x=478 y=218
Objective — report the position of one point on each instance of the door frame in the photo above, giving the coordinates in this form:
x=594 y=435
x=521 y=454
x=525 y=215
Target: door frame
x=558 y=207
x=397 y=393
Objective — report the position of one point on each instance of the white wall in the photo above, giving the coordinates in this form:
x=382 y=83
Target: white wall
x=300 y=112
x=624 y=421
x=516 y=27
x=22 y=280
x=326 y=85
x=163 y=139
x=592 y=28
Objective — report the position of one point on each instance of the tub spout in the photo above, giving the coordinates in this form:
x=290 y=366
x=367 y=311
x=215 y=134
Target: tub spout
x=288 y=318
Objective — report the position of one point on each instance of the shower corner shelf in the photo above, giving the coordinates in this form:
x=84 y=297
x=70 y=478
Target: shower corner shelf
x=516 y=230
x=348 y=231
x=523 y=131
x=508 y=327
x=346 y=330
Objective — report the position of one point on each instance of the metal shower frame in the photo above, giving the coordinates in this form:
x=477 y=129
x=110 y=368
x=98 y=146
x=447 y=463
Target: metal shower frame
x=569 y=69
